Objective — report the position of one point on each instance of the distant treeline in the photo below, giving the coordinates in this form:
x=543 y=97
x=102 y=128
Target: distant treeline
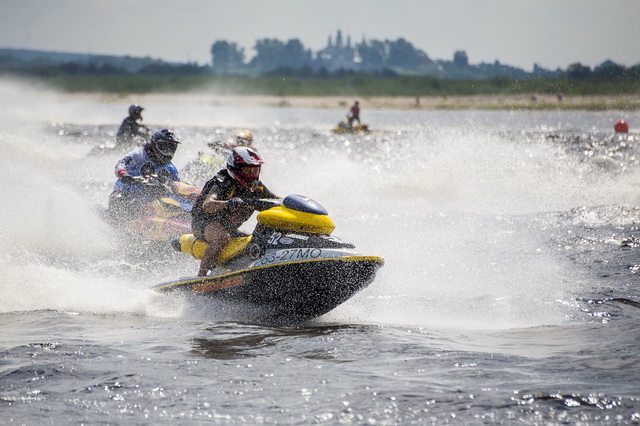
x=347 y=83
x=91 y=73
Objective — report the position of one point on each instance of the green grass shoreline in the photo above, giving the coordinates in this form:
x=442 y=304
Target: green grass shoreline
x=425 y=103
x=407 y=92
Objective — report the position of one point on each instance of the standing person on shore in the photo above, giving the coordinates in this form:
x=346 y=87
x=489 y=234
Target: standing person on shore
x=354 y=113
x=131 y=130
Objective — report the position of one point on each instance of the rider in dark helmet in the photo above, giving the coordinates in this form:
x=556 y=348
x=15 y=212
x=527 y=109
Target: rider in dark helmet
x=162 y=146
x=152 y=158
x=131 y=130
x=220 y=210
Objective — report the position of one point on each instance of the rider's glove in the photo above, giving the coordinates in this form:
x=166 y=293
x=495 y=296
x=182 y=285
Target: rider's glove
x=234 y=202
x=128 y=179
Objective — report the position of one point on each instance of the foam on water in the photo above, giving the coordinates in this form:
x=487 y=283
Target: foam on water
x=463 y=218
x=466 y=224
x=51 y=237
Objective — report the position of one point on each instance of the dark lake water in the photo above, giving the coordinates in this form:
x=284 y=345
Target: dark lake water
x=510 y=292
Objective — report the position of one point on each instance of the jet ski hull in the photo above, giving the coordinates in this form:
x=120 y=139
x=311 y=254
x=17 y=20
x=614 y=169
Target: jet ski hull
x=354 y=130
x=289 y=292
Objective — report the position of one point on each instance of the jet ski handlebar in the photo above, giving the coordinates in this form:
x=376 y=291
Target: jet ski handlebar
x=148 y=177
x=154 y=183
x=145 y=180
x=260 y=204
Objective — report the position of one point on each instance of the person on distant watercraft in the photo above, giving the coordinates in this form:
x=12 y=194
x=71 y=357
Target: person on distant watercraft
x=155 y=158
x=220 y=210
x=354 y=113
x=621 y=127
x=132 y=130
x=243 y=138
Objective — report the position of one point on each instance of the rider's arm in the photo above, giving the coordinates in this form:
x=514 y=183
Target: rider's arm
x=211 y=205
x=121 y=166
x=207 y=201
x=130 y=164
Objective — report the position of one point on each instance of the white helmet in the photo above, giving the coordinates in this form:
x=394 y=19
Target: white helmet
x=243 y=165
x=244 y=138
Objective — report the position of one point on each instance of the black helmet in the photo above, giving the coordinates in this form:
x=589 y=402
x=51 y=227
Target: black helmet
x=135 y=111
x=162 y=146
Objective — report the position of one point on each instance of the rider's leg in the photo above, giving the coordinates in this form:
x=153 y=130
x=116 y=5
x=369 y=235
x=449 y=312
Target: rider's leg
x=217 y=236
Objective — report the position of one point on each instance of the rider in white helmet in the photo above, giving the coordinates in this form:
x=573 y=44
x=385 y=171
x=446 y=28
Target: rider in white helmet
x=220 y=210
x=243 y=138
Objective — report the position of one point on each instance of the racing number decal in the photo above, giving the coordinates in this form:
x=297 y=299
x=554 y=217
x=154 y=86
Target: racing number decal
x=274 y=238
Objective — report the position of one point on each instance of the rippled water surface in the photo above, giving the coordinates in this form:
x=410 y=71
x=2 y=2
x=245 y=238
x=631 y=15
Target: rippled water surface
x=509 y=294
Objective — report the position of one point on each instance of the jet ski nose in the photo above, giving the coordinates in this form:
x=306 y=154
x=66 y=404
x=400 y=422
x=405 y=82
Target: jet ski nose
x=175 y=244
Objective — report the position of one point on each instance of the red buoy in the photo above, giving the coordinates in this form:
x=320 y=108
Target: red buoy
x=621 y=127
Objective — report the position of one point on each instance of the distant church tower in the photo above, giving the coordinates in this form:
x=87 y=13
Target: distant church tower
x=337 y=55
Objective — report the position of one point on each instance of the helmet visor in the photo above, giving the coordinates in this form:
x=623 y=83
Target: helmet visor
x=166 y=147
x=250 y=173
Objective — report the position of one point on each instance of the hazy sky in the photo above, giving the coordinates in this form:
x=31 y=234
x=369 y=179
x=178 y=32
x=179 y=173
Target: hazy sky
x=551 y=33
